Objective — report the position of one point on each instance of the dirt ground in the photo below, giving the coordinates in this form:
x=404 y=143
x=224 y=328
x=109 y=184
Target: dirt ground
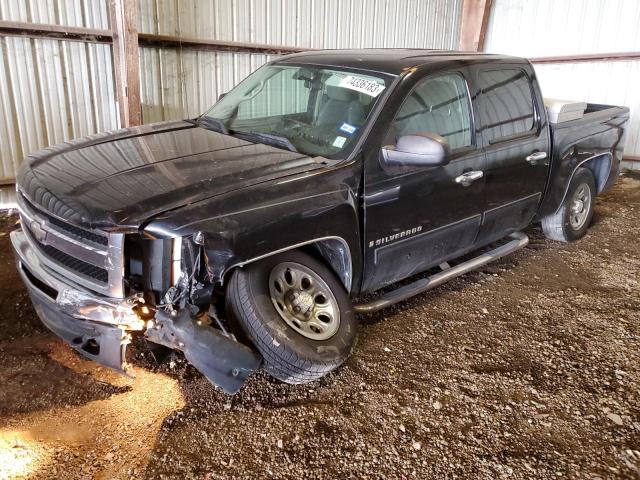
x=527 y=369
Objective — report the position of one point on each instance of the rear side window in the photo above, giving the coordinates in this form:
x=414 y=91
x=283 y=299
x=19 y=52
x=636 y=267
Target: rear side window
x=438 y=105
x=507 y=106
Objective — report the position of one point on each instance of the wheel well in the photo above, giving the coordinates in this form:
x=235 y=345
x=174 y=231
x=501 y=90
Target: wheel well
x=334 y=251
x=600 y=166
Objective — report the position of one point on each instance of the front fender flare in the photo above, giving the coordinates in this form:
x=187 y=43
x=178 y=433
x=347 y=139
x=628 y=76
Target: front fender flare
x=335 y=250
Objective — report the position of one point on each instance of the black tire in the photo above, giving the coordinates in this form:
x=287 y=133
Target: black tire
x=558 y=226
x=288 y=355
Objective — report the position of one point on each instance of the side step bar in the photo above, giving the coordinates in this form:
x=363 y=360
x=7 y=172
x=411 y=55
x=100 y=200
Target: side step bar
x=518 y=240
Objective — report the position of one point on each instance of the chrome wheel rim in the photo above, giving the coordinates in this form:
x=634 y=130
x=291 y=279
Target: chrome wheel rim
x=579 y=206
x=304 y=301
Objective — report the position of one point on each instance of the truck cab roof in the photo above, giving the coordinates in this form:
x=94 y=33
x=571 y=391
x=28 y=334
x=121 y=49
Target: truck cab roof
x=392 y=61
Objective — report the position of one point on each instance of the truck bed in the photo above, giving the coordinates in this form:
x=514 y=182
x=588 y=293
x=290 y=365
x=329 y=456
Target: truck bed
x=594 y=112
x=595 y=141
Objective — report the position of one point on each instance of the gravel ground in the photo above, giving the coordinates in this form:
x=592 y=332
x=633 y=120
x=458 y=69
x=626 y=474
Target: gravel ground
x=529 y=368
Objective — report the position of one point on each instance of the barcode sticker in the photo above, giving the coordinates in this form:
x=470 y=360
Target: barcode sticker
x=368 y=87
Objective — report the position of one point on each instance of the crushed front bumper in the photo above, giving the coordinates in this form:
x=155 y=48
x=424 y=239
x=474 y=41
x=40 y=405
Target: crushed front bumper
x=99 y=327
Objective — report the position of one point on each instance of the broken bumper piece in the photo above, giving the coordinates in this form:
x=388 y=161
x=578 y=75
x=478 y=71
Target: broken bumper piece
x=225 y=362
x=99 y=327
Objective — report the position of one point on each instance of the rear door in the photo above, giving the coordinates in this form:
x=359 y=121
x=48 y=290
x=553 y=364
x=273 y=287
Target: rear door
x=516 y=144
x=417 y=217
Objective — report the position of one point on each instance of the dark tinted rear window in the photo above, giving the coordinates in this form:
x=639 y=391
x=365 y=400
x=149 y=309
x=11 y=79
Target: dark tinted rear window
x=507 y=106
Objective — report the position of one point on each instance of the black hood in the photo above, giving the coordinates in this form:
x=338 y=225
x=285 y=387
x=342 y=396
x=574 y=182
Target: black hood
x=121 y=179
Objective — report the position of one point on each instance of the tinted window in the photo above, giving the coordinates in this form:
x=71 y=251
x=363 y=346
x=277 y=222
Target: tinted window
x=507 y=107
x=439 y=105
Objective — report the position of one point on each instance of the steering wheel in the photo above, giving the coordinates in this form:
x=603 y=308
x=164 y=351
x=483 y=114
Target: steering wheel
x=319 y=136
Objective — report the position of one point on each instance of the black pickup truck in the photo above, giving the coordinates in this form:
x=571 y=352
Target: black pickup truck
x=248 y=235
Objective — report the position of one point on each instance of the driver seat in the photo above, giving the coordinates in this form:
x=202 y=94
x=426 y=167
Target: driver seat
x=340 y=105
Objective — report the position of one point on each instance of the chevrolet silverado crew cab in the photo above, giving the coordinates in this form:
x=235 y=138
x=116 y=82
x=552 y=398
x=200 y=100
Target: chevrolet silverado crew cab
x=252 y=233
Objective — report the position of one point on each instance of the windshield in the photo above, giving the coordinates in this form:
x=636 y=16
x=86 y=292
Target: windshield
x=311 y=110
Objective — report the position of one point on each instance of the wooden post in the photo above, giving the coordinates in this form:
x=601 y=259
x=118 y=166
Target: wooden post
x=123 y=15
x=473 y=28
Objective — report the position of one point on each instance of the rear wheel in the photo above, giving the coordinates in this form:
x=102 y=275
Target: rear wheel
x=296 y=313
x=572 y=220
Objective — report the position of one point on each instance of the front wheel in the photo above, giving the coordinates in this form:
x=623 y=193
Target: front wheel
x=572 y=220
x=296 y=312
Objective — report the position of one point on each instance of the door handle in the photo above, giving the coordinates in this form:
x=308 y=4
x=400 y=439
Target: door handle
x=468 y=178
x=535 y=157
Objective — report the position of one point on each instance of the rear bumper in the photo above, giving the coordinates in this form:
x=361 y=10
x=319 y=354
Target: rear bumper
x=95 y=326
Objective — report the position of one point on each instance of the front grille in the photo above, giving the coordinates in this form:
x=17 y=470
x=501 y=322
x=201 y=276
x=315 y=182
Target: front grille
x=76 y=264
x=72 y=263
x=77 y=232
x=89 y=258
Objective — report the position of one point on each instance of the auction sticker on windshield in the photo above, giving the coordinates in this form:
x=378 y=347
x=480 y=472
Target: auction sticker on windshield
x=339 y=142
x=362 y=85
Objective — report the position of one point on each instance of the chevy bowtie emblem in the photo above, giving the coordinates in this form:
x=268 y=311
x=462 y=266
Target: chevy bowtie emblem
x=38 y=232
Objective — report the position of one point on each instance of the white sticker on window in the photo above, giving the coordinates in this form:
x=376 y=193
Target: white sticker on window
x=339 y=142
x=368 y=87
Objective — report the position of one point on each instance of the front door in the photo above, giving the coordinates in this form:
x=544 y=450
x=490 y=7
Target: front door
x=516 y=146
x=418 y=217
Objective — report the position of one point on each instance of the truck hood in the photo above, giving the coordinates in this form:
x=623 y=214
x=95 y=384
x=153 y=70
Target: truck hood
x=121 y=179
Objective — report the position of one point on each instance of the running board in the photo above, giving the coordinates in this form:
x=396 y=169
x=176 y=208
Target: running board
x=518 y=240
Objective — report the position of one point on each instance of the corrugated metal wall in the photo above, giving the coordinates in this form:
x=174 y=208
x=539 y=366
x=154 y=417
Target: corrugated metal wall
x=179 y=84
x=570 y=27
x=52 y=90
x=613 y=83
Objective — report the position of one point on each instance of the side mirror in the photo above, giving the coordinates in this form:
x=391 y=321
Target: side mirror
x=221 y=96
x=419 y=150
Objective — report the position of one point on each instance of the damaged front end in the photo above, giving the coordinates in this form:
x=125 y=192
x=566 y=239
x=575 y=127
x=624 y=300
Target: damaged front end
x=167 y=292
x=185 y=316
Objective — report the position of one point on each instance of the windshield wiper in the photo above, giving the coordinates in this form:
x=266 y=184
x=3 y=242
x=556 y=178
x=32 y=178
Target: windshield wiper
x=218 y=125
x=211 y=123
x=268 y=138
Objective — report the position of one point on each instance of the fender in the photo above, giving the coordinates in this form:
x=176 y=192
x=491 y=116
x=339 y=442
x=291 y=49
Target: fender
x=600 y=166
x=318 y=209
x=595 y=143
x=335 y=250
